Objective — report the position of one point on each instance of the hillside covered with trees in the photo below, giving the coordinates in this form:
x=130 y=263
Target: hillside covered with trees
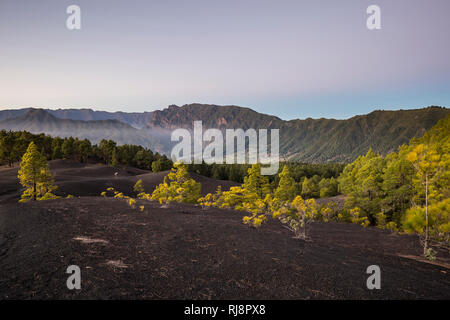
x=14 y=144
x=305 y=140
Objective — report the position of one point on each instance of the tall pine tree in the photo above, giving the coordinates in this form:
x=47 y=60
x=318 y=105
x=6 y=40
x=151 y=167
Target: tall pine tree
x=34 y=175
x=286 y=190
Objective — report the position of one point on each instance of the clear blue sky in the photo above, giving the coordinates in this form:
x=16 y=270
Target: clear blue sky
x=293 y=59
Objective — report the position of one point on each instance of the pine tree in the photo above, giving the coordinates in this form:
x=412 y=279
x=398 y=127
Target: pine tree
x=177 y=186
x=162 y=164
x=232 y=198
x=397 y=186
x=139 y=187
x=431 y=223
x=299 y=214
x=328 y=187
x=67 y=147
x=308 y=188
x=256 y=183
x=427 y=163
x=114 y=160
x=34 y=175
x=7 y=150
x=286 y=187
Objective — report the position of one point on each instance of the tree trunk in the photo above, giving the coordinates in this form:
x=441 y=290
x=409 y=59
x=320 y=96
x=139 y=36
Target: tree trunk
x=34 y=190
x=304 y=228
x=425 y=244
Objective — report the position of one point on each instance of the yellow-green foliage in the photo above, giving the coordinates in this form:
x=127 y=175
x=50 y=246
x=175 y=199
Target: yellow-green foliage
x=206 y=201
x=362 y=182
x=392 y=226
x=383 y=224
x=177 y=186
x=438 y=221
x=131 y=202
x=328 y=187
x=430 y=157
x=255 y=182
x=258 y=208
x=357 y=218
x=212 y=200
x=428 y=165
x=231 y=198
x=34 y=175
x=254 y=220
x=144 y=196
x=286 y=187
x=139 y=187
x=109 y=191
x=381 y=220
x=416 y=176
x=253 y=196
x=48 y=196
x=298 y=215
x=328 y=211
x=118 y=194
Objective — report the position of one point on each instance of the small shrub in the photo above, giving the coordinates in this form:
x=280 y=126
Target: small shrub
x=431 y=254
x=139 y=187
x=131 y=202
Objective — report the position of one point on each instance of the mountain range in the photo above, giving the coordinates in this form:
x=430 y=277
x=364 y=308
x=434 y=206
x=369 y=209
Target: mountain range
x=135 y=119
x=308 y=140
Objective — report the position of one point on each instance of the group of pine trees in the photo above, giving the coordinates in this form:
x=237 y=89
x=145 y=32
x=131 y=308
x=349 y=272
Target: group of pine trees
x=257 y=197
x=13 y=145
x=320 y=178
x=408 y=190
x=309 y=180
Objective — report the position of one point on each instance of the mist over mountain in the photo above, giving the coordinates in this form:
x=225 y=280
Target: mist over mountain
x=41 y=121
x=308 y=140
x=134 y=119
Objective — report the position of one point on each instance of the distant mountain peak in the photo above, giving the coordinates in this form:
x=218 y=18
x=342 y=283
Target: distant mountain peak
x=38 y=114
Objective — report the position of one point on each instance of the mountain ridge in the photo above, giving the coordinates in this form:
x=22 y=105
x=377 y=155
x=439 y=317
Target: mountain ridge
x=307 y=140
x=135 y=119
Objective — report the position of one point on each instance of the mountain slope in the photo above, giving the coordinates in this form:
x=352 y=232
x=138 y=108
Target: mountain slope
x=308 y=140
x=212 y=116
x=345 y=140
x=312 y=140
x=134 y=119
x=41 y=121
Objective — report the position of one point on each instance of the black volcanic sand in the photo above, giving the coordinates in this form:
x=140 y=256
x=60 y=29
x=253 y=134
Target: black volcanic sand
x=80 y=179
x=184 y=252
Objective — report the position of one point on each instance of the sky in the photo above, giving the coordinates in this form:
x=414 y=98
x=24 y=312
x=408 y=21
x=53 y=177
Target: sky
x=292 y=59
